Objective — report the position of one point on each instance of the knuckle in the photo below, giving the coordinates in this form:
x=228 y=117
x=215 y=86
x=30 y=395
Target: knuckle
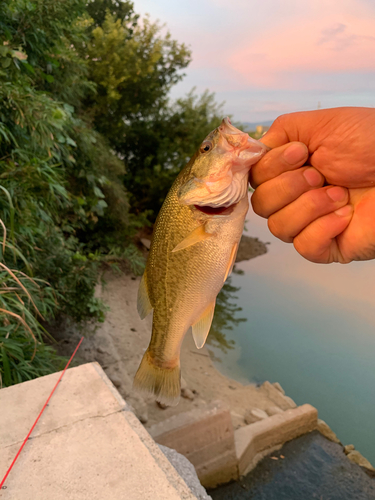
x=259 y=202
x=278 y=229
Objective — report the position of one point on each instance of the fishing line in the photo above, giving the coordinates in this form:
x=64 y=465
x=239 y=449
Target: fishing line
x=40 y=414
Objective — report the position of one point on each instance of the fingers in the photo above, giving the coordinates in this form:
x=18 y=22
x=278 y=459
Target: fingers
x=277 y=161
x=288 y=222
x=317 y=242
x=276 y=193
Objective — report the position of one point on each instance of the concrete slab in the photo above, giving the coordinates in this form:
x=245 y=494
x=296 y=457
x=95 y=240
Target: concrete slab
x=87 y=446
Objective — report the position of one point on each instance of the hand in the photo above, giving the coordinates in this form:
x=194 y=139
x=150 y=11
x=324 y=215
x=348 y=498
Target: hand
x=334 y=223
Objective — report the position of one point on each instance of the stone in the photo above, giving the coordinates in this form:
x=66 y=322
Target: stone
x=116 y=381
x=279 y=388
x=348 y=448
x=205 y=437
x=255 y=415
x=146 y=243
x=143 y=418
x=273 y=410
x=183 y=383
x=283 y=402
x=255 y=441
x=186 y=471
x=356 y=457
x=187 y=394
x=327 y=432
x=162 y=406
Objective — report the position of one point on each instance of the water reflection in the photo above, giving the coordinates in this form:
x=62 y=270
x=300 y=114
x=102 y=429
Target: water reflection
x=225 y=316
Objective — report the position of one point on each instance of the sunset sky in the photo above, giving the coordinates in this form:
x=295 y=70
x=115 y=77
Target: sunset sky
x=265 y=58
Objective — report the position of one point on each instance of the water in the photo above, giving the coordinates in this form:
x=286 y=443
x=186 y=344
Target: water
x=310 y=327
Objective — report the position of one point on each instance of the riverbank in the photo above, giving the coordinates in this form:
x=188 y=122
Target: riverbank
x=119 y=343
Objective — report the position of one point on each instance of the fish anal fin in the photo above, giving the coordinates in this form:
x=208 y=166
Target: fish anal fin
x=144 y=306
x=231 y=262
x=202 y=327
x=199 y=234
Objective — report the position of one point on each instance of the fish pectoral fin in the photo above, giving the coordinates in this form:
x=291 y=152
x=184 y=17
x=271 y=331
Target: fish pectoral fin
x=203 y=325
x=232 y=260
x=199 y=234
x=144 y=306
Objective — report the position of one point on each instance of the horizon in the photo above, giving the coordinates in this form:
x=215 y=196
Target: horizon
x=266 y=59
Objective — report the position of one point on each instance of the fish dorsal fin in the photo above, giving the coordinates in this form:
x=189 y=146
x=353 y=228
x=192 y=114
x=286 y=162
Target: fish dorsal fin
x=143 y=302
x=232 y=260
x=203 y=325
x=199 y=234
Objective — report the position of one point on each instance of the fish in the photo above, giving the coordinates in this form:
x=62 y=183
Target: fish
x=193 y=251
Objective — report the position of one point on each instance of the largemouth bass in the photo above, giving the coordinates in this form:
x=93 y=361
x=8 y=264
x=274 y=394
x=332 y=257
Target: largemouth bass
x=193 y=250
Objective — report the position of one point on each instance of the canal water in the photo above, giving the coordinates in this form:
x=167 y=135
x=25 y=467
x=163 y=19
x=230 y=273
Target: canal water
x=310 y=327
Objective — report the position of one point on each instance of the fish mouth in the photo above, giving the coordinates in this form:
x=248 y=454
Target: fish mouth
x=206 y=209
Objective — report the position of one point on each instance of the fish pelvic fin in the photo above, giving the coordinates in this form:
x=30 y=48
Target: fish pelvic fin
x=232 y=260
x=163 y=383
x=199 y=234
x=144 y=306
x=201 y=328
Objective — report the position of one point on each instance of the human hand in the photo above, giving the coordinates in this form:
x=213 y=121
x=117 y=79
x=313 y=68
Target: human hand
x=289 y=183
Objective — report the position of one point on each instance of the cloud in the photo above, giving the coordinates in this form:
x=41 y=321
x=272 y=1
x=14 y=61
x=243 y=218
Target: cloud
x=338 y=38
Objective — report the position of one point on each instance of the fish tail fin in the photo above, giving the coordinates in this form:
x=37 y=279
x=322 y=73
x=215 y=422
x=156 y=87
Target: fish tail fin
x=164 y=383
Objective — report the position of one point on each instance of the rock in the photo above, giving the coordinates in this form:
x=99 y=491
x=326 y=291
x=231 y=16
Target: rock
x=255 y=415
x=283 y=402
x=187 y=394
x=116 y=381
x=143 y=418
x=348 y=448
x=146 y=243
x=101 y=350
x=273 y=410
x=327 y=432
x=162 y=406
x=356 y=457
x=279 y=388
x=186 y=470
x=183 y=383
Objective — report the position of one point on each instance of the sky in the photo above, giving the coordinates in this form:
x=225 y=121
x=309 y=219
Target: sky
x=268 y=57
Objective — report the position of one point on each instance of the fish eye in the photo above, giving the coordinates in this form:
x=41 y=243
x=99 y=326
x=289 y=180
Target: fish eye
x=206 y=147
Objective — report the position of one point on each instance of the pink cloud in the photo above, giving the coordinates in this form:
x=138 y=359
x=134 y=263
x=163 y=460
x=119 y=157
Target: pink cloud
x=294 y=38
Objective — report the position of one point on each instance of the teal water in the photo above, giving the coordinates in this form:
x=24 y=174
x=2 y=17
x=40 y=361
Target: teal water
x=310 y=327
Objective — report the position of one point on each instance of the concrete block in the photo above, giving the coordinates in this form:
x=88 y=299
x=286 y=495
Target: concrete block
x=87 y=445
x=206 y=438
x=255 y=441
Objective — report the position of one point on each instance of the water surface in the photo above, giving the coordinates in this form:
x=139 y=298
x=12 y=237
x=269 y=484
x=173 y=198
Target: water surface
x=310 y=327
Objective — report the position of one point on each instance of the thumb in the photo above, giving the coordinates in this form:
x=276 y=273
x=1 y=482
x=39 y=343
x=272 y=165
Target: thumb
x=298 y=127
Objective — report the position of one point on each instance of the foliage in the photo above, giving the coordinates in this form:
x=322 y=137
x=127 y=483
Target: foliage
x=224 y=317
x=89 y=146
x=23 y=303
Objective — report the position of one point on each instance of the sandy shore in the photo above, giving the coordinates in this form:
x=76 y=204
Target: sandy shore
x=119 y=343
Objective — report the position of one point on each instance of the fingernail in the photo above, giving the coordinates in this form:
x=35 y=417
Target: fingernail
x=336 y=193
x=295 y=153
x=344 y=211
x=312 y=177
